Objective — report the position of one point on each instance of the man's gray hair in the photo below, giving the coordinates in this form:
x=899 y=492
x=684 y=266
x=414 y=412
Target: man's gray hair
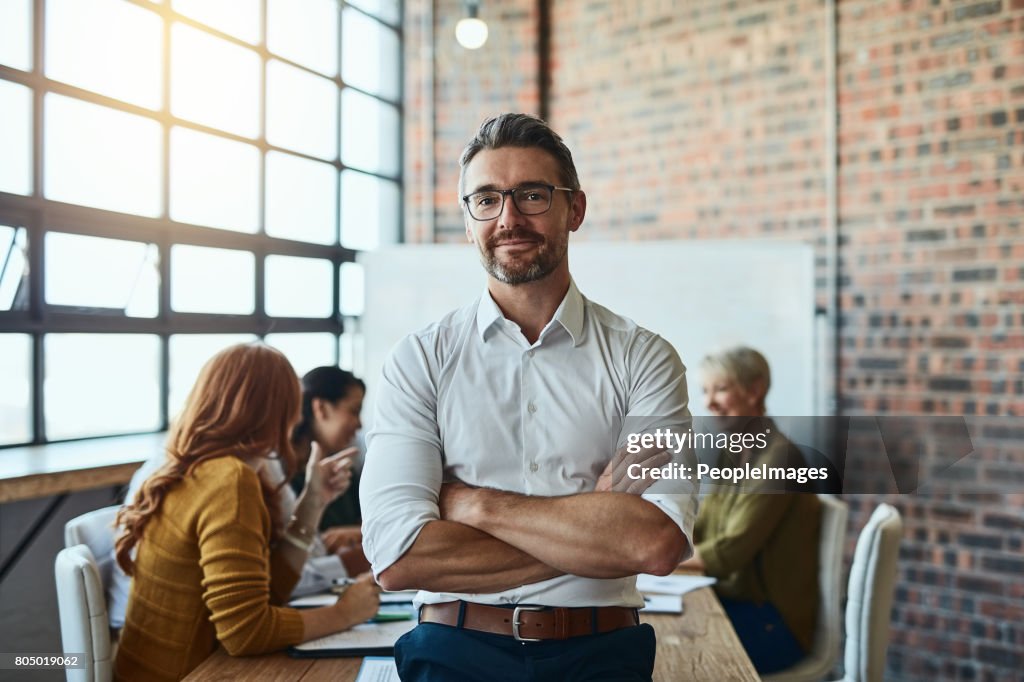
x=520 y=130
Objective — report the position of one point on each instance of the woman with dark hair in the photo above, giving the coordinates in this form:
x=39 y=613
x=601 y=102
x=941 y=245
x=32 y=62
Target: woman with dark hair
x=213 y=557
x=332 y=400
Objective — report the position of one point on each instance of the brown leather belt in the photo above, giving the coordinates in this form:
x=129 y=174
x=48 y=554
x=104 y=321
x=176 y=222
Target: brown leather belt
x=531 y=623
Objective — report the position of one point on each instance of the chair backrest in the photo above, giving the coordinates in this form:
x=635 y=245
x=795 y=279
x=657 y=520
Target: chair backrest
x=83 y=614
x=824 y=651
x=869 y=606
x=95 y=530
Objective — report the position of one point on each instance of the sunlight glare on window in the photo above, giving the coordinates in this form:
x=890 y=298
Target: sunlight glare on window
x=95 y=272
x=304 y=351
x=16 y=388
x=369 y=57
x=302 y=111
x=299 y=287
x=352 y=294
x=100 y=384
x=214 y=82
x=206 y=280
x=188 y=353
x=301 y=199
x=239 y=18
x=305 y=33
x=369 y=133
x=214 y=181
x=388 y=10
x=369 y=211
x=97 y=156
x=13 y=268
x=107 y=46
x=16 y=34
x=15 y=138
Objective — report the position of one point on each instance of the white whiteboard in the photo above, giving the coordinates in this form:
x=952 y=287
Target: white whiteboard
x=700 y=296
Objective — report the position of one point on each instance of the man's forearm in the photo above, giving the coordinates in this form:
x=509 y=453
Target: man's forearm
x=452 y=557
x=595 y=535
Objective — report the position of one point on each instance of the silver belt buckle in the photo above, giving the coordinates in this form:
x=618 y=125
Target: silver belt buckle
x=516 y=622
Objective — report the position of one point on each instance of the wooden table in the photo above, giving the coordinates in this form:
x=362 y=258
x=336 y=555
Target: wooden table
x=698 y=645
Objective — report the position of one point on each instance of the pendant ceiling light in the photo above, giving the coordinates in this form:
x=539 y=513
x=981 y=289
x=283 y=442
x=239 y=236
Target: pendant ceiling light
x=471 y=31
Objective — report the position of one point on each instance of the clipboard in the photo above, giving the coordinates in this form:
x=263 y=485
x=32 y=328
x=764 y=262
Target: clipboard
x=365 y=639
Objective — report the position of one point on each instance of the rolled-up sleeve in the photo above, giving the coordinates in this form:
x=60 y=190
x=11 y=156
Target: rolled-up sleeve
x=659 y=400
x=401 y=478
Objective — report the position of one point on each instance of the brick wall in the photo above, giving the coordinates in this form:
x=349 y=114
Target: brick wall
x=706 y=119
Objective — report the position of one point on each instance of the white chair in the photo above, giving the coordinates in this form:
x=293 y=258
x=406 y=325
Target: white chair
x=95 y=530
x=869 y=606
x=825 y=650
x=82 y=602
x=872 y=578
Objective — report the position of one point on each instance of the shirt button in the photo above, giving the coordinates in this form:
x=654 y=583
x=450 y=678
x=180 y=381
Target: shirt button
x=529 y=353
x=532 y=408
x=534 y=466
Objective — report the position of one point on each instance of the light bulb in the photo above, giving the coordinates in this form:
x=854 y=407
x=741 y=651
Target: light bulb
x=471 y=33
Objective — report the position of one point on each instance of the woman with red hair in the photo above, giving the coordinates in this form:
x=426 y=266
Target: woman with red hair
x=212 y=560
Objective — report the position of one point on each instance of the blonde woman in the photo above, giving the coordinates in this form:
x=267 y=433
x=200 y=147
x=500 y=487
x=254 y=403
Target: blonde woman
x=761 y=544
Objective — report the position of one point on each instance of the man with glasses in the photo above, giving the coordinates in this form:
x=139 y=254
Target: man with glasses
x=492 y=480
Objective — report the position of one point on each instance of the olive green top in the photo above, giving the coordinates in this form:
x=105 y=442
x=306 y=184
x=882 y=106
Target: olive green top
x=764 y=546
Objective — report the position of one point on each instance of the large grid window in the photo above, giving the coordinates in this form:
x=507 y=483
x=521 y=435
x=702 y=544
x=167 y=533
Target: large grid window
x=177 y=176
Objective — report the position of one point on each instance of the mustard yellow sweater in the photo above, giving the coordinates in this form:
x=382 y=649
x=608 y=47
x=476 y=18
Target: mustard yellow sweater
x=204 y=574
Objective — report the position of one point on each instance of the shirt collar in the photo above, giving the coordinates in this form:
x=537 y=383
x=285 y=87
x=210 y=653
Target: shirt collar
x=569 y=314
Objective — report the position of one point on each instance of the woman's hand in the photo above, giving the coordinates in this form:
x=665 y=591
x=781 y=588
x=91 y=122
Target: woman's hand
x=328 y=477
x=360 y=600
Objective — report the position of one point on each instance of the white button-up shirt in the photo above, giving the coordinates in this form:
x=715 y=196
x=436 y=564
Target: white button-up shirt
x=470 y=398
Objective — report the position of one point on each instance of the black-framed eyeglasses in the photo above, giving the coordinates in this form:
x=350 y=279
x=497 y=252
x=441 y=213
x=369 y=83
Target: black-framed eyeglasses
x=529 y=200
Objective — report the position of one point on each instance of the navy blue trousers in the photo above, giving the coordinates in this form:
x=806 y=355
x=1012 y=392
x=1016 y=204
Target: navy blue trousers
x=766 y=637
x=440 y=653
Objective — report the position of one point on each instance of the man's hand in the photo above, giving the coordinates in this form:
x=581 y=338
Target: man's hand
x=615 y=477
x=340 y=537
x=455 y=502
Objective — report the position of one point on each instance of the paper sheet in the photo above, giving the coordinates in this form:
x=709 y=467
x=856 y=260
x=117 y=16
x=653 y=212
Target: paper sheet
x=672 y=584
x=365 y=636
x=378 y=669
x=663 y=603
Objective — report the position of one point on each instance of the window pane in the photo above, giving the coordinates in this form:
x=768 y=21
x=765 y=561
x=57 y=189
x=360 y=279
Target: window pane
x=96 y=156
x=388 y=10
x=98 y=384
x=13 y=268
x=305 y=351
x=214 y=82
x=188 y=353
x=205 y=280
x=369 y=133
x=369 y=211
x=302 y=111
x=107 y=46
x=301 y=199
x=16 y=388
x=305 y=33
x=16 y=34
x=352 y=293
x=370 y=52
x=102 y=273
x=214 y=181
x=16 y=138
x=350 y=349
x=299 y=287
x=240 y=18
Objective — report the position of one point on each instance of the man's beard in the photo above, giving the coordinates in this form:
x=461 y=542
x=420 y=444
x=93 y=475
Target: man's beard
x=545 y=258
